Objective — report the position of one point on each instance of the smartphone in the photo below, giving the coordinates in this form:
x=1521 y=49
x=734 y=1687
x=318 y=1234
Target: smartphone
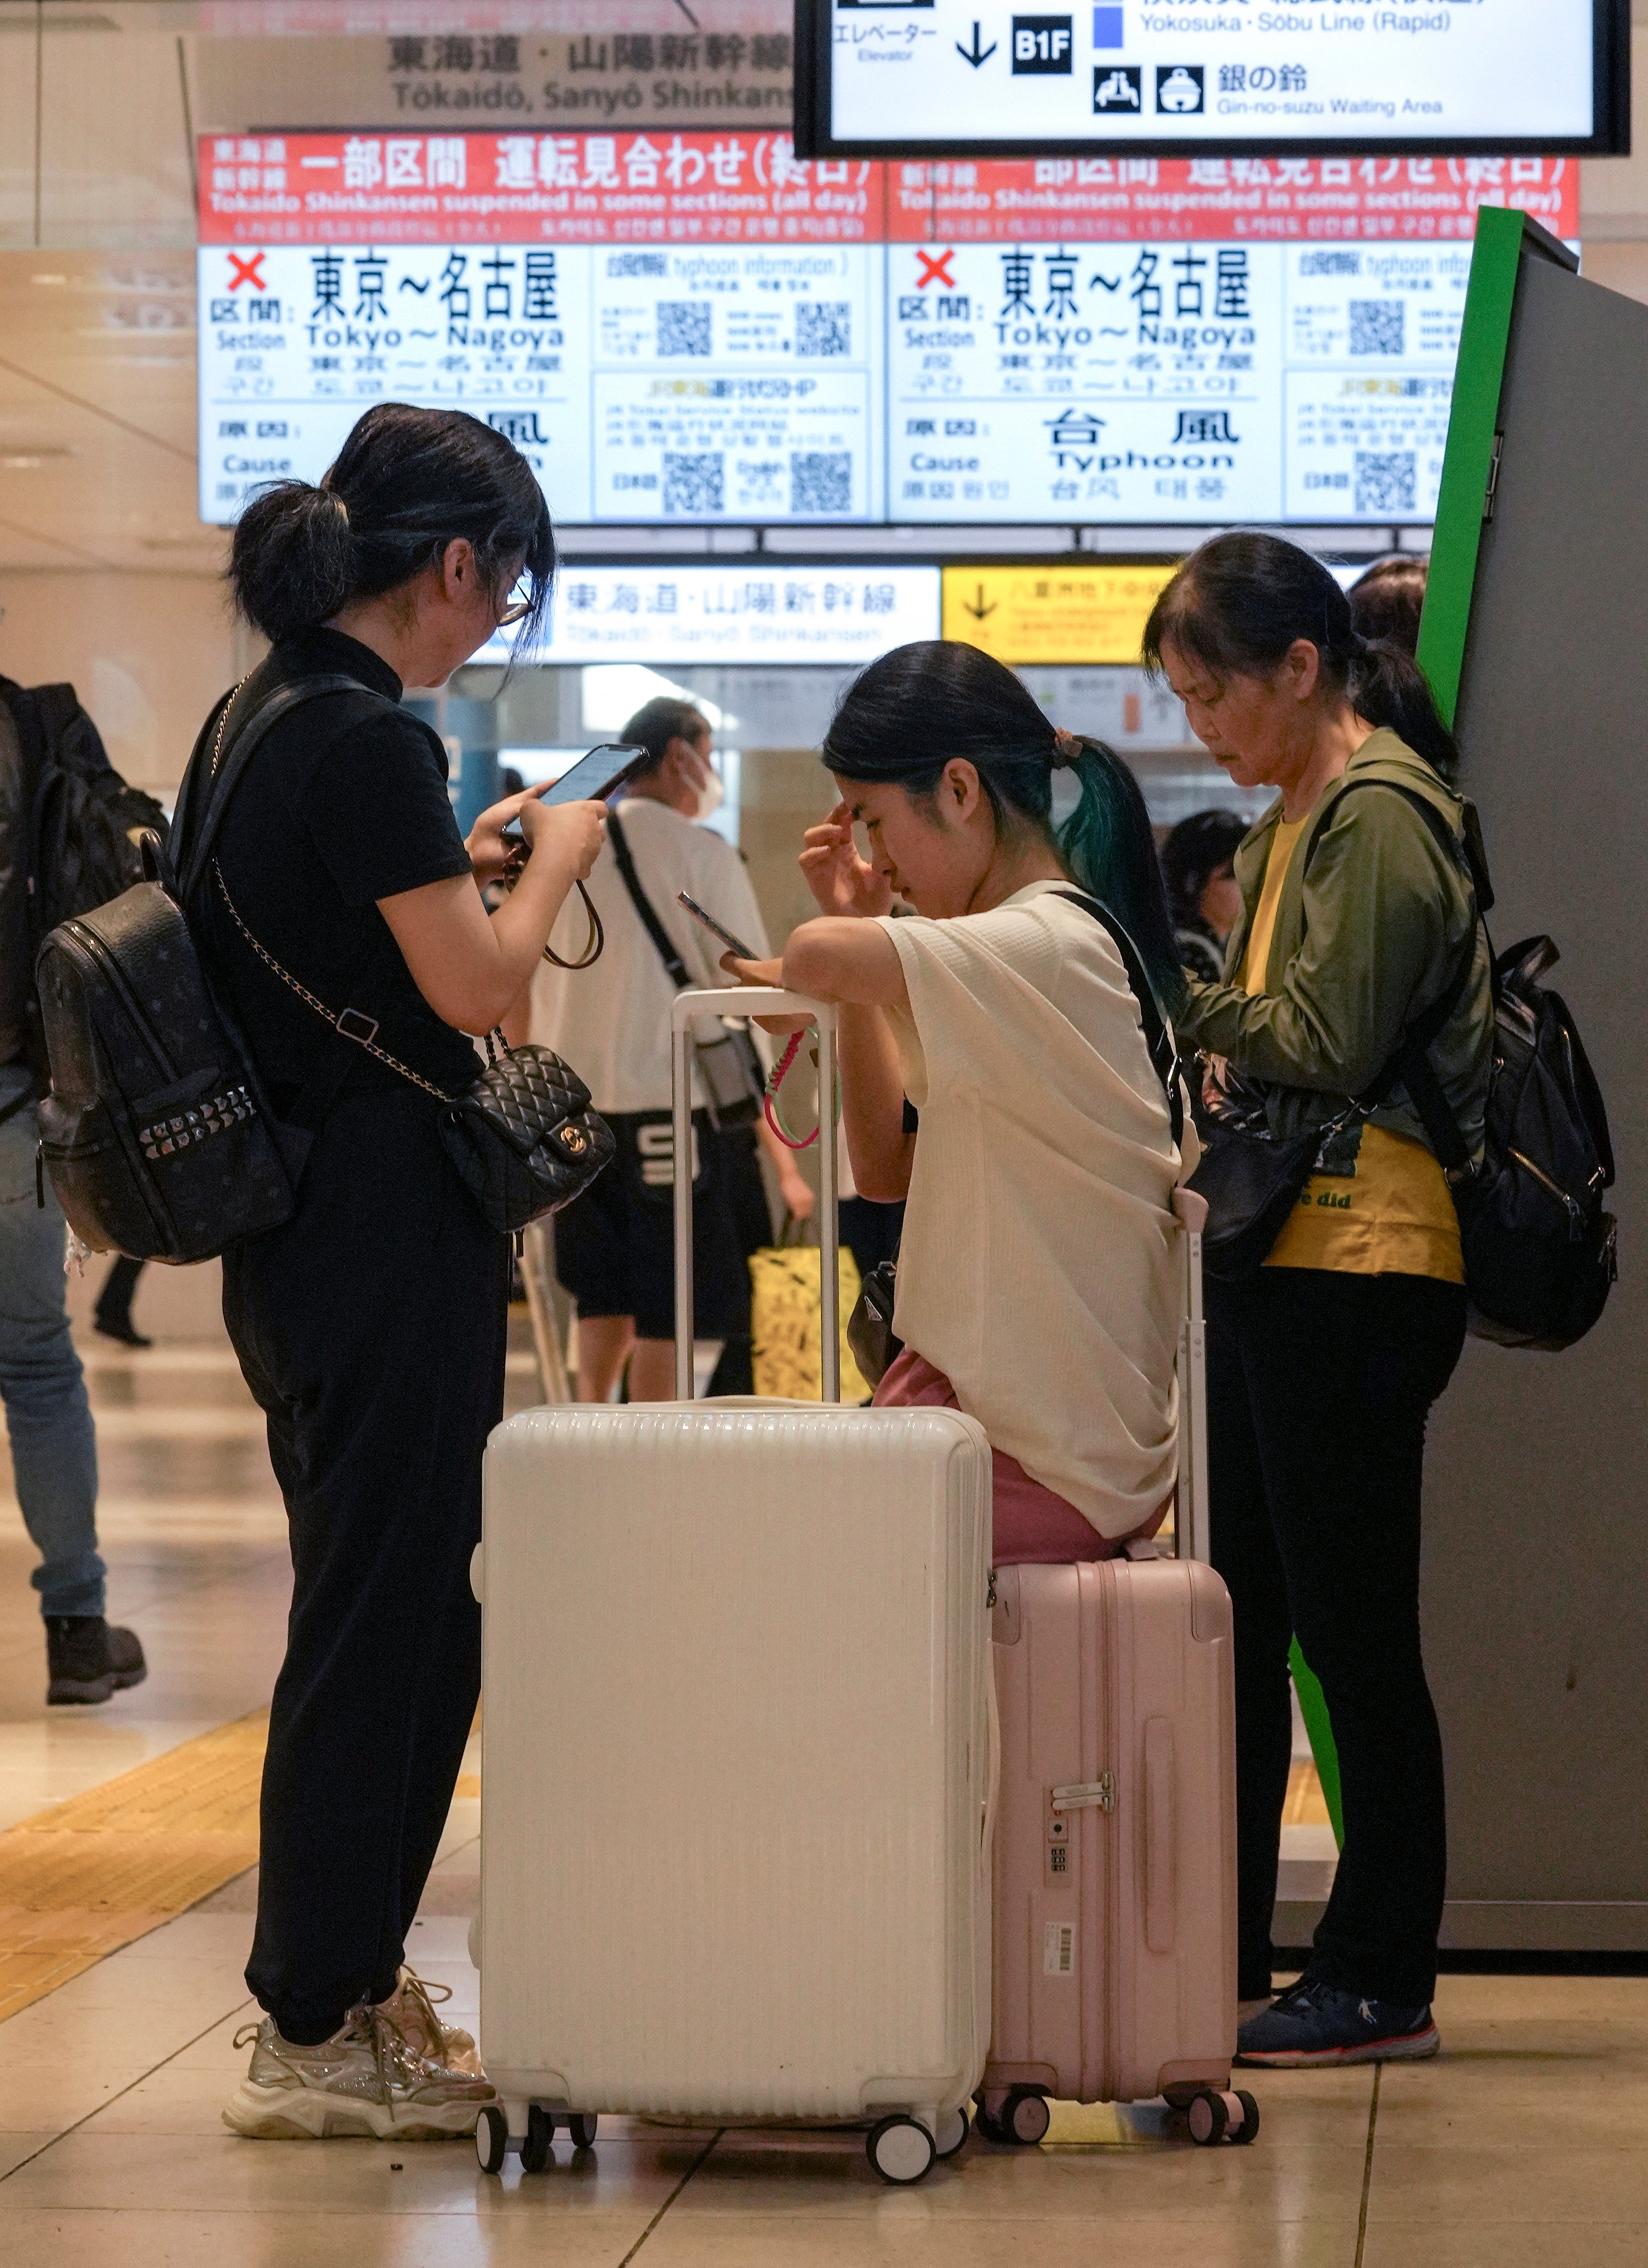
x=594 y=776
x=734 y=944
x=597 y=775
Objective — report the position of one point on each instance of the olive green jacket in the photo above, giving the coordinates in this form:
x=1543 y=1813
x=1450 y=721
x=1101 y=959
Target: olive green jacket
x=1365 y=941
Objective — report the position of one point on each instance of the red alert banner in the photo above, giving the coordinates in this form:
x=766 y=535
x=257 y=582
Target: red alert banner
x=618 y=188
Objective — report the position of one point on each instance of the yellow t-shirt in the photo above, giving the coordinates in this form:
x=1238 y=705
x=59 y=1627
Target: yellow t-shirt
x=1393 y=1213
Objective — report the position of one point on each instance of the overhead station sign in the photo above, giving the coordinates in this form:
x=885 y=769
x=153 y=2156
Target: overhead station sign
x=973 y=78
x=1078 y=613
x=739 y=614
x=700 y=329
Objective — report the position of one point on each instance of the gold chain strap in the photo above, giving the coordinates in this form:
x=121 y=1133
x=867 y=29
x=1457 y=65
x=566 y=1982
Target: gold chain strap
x=319 y=1006
x=222 y=723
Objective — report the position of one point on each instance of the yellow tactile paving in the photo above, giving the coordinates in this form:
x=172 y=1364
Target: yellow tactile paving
x=91 y=1874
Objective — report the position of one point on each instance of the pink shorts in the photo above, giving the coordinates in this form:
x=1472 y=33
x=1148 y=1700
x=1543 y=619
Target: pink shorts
x=1033 y=1526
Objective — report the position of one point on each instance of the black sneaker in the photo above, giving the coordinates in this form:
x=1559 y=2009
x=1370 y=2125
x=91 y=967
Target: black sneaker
x=1316 y=2023
x=88 y=1659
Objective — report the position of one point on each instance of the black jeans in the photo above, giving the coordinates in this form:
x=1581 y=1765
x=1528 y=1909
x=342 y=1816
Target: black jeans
x=1319 y=1387
x=370 y=1328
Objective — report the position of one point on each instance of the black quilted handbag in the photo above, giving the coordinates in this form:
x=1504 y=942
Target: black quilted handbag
x=524 y=1137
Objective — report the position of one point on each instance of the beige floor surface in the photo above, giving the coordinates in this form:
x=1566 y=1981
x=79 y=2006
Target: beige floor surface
x=1521 y=2147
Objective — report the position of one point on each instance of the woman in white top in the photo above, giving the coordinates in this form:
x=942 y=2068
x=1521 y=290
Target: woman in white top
x=1038 y=1281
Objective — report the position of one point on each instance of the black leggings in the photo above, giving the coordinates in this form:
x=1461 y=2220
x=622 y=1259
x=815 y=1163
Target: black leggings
x=1319 y=1387
x=370 y=1328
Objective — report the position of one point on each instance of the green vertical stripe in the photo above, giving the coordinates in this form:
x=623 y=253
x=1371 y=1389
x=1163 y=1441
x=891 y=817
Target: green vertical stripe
x=1471 y=422
x=1314 y=1709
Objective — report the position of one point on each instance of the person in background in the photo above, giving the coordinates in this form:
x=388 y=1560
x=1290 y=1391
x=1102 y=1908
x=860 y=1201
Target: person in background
x=1388 y=601
x=1038 y=1280
x=48 y=1417
x=1201 y=895
x=614 y=1245
x=1322 y=1364
x=113 y=1314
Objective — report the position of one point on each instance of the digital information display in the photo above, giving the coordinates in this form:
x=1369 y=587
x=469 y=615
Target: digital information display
x=890 y=78
x=1079 y=341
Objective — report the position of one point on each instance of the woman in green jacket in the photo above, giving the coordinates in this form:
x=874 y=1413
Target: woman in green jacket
x=1323 y=1363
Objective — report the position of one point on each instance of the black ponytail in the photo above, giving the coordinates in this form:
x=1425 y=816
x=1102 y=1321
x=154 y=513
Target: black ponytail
x=406 y=481
x=1241 y=600
x=290 y=564
x=907 y=715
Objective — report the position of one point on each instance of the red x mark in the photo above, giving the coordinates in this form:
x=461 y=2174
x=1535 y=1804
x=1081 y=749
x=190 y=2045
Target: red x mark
x=246 y=271
x=934 y=270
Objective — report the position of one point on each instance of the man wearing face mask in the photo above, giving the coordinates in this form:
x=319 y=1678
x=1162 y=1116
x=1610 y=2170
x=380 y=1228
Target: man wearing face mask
x=614 y=1245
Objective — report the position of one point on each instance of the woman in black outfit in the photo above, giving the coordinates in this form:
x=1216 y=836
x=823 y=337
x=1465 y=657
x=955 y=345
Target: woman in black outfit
x=370 y=1326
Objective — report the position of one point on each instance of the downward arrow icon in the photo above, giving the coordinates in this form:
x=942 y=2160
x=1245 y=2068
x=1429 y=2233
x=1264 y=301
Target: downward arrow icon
x=977 y=607
x=976 y=54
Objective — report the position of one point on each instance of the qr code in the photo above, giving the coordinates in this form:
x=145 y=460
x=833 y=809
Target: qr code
x=637 y=263
x=823 y=326
x=1376 y=326
x=695 y=483
x=820 y=480
x=1385 y=479
x=1324 y=263
x=683 y=327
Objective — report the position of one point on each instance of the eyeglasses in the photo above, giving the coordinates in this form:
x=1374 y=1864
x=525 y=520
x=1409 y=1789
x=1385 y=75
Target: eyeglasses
x=518 y=609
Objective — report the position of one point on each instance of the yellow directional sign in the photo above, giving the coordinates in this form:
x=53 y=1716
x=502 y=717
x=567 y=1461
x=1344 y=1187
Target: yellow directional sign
x=1052 y=613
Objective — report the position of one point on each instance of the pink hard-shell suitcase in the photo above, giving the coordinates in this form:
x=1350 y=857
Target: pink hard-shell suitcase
x=1114 y=1927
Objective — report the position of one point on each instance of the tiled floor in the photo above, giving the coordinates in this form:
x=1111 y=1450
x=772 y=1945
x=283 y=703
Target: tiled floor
x=1521 y=2147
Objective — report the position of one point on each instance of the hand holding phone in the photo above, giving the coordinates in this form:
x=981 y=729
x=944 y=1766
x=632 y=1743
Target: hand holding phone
x=593 y=779
x=577 y=830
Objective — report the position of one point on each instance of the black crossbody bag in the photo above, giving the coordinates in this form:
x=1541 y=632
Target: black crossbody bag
x=870 y=1334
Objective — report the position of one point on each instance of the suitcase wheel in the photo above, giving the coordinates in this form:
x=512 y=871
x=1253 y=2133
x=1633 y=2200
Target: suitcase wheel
x=1219 y=2117
x=491 y=2139
x=539 y=2147
x=900 y=2149
x=952 y=2133
x=581 y=2127
x=1018 y=2119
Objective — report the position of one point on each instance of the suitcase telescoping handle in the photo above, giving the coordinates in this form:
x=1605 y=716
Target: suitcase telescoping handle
x=1192 y=1536
x=756 y=1000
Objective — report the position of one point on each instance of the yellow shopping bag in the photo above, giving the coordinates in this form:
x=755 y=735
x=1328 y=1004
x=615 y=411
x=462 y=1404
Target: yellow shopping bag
x=784 y=1284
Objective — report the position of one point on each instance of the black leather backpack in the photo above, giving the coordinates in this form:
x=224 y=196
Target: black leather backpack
x=1540 y=1250
x=156 y=1133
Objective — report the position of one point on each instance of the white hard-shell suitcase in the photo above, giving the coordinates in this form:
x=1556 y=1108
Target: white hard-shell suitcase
x=736 y=1753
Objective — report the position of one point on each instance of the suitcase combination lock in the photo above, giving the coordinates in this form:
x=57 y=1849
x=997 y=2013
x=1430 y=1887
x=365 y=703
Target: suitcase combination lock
x=1078 y=1795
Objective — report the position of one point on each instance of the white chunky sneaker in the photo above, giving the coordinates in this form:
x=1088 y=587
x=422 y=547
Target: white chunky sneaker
x=366 y=2079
